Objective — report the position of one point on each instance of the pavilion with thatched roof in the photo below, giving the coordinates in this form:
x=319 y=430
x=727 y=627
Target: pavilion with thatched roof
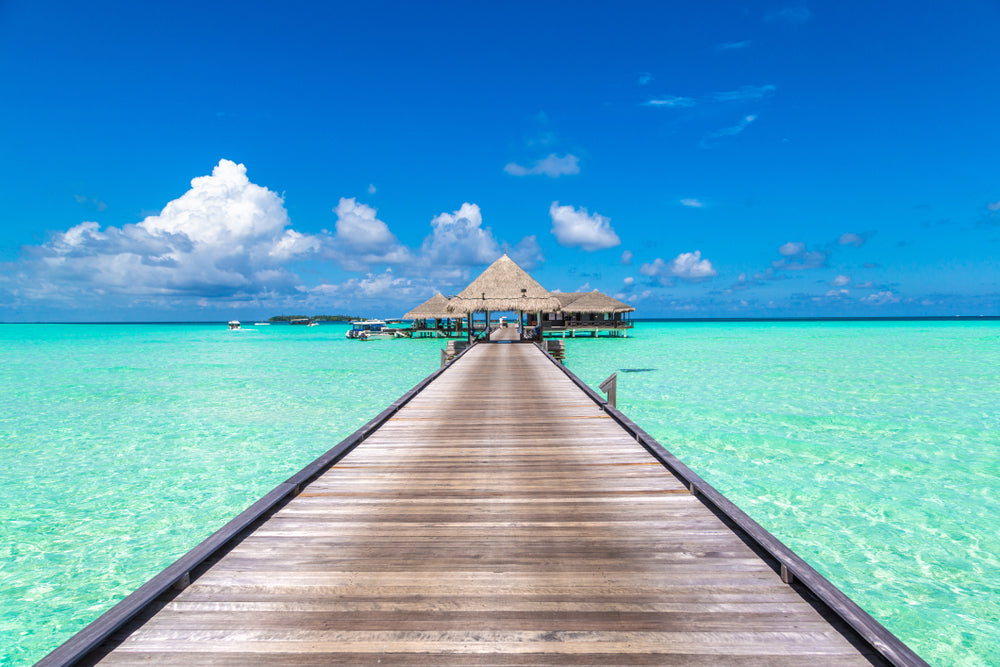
x=435 y=308
x=591 y=312
x=503 y=287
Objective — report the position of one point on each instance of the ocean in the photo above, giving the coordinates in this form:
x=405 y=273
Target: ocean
x=871 y=448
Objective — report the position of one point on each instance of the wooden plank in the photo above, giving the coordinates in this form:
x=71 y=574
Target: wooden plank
x=496 y=516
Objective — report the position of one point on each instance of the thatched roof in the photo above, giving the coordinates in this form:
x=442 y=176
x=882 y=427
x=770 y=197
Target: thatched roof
x=435 y=307
x=503 y=286
x=596 y=302
x=566 y=298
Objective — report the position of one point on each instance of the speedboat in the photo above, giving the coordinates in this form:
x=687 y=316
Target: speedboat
x=370 y=330
x=234 y=324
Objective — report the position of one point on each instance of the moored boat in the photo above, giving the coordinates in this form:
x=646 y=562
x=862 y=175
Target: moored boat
x=234 y=324
x=370 y=330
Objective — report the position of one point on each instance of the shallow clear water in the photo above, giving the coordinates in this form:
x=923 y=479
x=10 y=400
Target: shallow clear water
x=869 y=448
x=126 y=445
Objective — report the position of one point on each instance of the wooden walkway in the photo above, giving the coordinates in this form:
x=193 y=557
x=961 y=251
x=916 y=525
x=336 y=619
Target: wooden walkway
x=501 y=518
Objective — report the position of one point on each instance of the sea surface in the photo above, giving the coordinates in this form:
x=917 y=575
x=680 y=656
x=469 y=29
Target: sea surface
x=870 y=448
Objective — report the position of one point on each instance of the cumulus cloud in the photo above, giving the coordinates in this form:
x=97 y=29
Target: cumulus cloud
x=688 y=266
x=627 y=257
x=692 y=203
x=458 y=238
x=371 y=188
x=577 y=228
x=361 y=239
x=840 y=281
x=880 y=298
x=795 y=257
x=552 y=166
x=852 y=239
x=792 y=248
x=225 y=236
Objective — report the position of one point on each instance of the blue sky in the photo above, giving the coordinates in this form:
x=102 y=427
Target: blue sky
x=200 y=161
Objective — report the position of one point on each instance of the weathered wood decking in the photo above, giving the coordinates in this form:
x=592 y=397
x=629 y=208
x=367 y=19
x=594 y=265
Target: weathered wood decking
x=500 y=517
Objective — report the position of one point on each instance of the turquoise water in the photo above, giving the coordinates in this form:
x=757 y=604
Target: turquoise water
x=869 y=448
x=126 y=445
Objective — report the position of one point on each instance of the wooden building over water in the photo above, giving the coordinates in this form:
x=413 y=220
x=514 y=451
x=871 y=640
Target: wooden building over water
x=431 y=319
x=504 y=287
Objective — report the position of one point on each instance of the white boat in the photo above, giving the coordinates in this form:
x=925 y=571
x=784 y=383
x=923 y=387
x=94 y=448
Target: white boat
x=234 y=324
x=371 y=330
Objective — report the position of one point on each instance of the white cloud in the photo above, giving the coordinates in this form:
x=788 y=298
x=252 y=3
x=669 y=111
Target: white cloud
x=629 y=281
x=850 y=238
x=791 y=249
x=692 y=203
x=527 y=253
x=552 y=166
x=880 y=298
x=993 y=206
x=746 y=93
x=577 y=228
x=460 y=239
x=627 y=257
x=688 y=266
x=358 y=230
x=670 y=102
x=224 y=237
x=371 y=188
x=709 y=139
x=840 y=281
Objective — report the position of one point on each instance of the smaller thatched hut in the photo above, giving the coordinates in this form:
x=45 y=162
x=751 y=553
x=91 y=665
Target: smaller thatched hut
x=589 y=311
x=435 y=309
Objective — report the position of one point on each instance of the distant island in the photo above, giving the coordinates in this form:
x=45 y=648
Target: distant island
x=315 y=318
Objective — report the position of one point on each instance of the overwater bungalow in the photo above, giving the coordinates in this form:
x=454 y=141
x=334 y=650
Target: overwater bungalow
x=431 y=319
x=590 y=313
x=504 y=287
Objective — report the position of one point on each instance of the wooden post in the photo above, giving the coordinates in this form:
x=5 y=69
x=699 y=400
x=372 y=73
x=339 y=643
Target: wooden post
x=610 y=387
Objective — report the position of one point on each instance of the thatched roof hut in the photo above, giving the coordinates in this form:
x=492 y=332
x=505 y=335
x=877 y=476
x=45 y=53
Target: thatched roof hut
x=435 y=307
x=594 y=302
x=504 y=286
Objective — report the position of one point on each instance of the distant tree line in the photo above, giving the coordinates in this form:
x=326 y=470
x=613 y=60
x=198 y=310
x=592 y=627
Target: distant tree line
x=314 y=318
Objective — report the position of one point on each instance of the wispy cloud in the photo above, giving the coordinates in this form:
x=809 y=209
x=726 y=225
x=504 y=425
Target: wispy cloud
x=746 y=93
x=795 y=15
x=692 y=203
x=552 y=166
x=710 y=139
x=732 y=46
x=645 y=78
x=670 y=102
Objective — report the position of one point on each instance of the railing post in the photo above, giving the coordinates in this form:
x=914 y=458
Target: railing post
x=610 y=387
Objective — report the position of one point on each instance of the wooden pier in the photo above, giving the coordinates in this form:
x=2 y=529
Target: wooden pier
x=497 y=514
